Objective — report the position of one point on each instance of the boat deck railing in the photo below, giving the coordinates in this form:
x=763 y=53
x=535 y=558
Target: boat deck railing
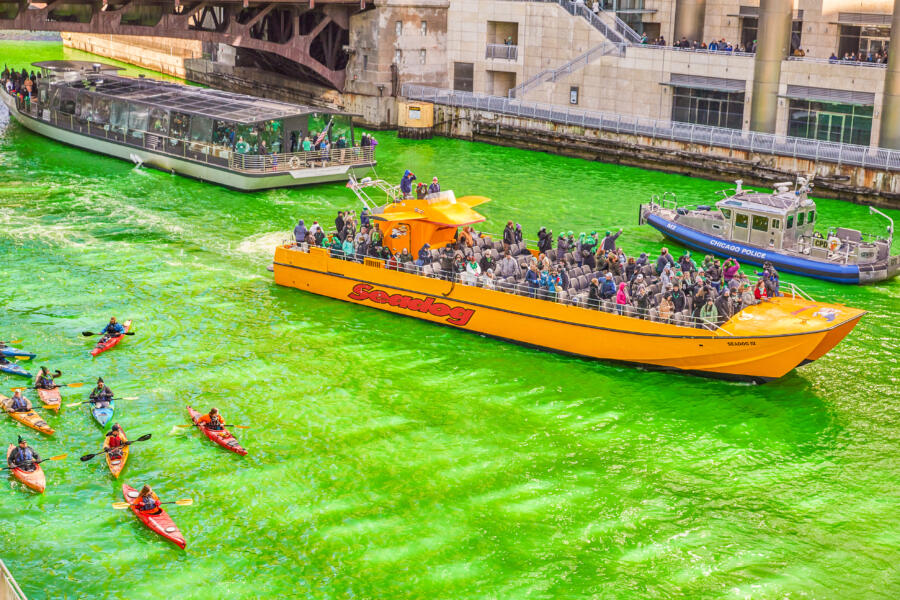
x=9 y=589
x=213 y=154
x=520 y=288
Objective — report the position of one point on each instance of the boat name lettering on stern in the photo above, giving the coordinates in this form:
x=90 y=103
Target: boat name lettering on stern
x=456 y=315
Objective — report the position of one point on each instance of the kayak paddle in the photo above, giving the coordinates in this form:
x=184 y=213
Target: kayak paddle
x=124 y=505
x=58 y=457
x=235 y=426
x=71 y=385
x=14 y=342
x=143 y=438
x=114 y=398
x=90 y=333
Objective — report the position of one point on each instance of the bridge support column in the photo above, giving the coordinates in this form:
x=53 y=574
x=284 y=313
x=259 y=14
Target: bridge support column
x=690 y=17
x=890 y=107
x=773 y=44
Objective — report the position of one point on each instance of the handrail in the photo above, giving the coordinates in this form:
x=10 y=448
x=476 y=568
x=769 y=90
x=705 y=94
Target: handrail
x=502 y=51
x=9 y=589
x=617 y=31
x=734 y=139
x=838 y=61
x=603 y=49
x=517 y=288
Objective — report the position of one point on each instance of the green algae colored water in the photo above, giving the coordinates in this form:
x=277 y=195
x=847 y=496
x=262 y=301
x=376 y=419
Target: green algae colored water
x=391 y=458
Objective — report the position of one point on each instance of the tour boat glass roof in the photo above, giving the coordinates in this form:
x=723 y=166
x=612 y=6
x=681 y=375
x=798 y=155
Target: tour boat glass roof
x=207 y=102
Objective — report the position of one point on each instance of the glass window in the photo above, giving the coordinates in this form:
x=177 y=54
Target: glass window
x=708 y=107
x=224 y=133
x=180 y=126
x=463 y=76
x=138 y=117
x=776 y=224
x=159 y=121
x=811 y=216
x=760 y=223
x=740 y=220
x=84 y=108
x=790 y=222
x=750 y=29
x=424 y=27
x=118 y=116
x=830 y=121
x=800 y=219
x=726 y=212
x=67 y=102
x=271 y=133
x=101 y=110
x=201 y=129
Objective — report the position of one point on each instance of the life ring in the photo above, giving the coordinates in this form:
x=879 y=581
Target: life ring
x=294 y=162
x=834 y=243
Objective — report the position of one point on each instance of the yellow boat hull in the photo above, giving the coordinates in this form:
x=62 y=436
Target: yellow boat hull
x=762 y=342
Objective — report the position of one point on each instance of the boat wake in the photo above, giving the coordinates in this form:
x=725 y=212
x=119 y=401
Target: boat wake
x=261 y=244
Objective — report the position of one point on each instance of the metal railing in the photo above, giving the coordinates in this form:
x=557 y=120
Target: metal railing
x=9 y=589
x=579 y=62
x=698 y=50
x=518 y=286
x=197 y=151
x=616 y=30
x=502 y=51
x=733 y=139
x=838 y=61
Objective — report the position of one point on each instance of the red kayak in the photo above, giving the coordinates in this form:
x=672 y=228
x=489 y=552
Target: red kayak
x=222 y=438
x=102 y=347
x=161 y=524
x=34 y=480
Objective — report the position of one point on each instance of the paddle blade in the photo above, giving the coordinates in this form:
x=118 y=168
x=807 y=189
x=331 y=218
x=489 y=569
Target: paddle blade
x=120 y=505
x=74 y=404
x=14 y=342
x=88 y=333
x=128 y=398
x=59 y=457
x=87 y=457
x=129 y=333
x=144 y=437
x=22 y=357
x=185 y=502
x=19 y=389
x=240 y=426
x=74 y=385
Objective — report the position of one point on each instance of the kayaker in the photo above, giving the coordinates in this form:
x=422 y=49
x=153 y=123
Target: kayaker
x=101 y=395
x=147 y=502
x=44 y=380
x=112 y=329
x=213 y=420
x=115 y=441
x=19 y=403
x=23 y=457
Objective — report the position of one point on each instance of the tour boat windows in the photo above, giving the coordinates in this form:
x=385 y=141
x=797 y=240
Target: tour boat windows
x=101 y=110
x=246 y=139
x=138 y=118
x=83 y=108
x=159 y=121
x=180 y=126
x=67 y=97
x=201 y=129
x=224 y=134
x=118 y=116
x=270 y=134
x=800 y=219
x=741 y=220
x=760 y=223
x=342 y=127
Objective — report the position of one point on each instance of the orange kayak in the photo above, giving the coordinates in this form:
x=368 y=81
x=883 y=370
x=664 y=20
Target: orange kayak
x=116 y=463
x=51 y=399
x=34 y=480
x=29 y=419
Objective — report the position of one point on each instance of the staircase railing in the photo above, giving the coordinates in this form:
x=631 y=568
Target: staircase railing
x=616 y=31
x=579 y=62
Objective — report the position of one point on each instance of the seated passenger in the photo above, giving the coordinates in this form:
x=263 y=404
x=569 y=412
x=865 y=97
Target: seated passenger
x=19 y=403
x=147 y=502
x=44 y=380
x=424 y=255
x=630 y=269
x=488 y=282
x=405 y=258
x=709 y=316
x=608 y=287
x=112 y=329
x=724 y=306
x=532 y=279
x=212 y=420
x=101 y=395
x=115 y=441
x=642 y=301
x=509 y=267
x=488 y=261
x=759 y=293
x=23 y=457
x=678 y=298
x=467 y=236
x=666 y=307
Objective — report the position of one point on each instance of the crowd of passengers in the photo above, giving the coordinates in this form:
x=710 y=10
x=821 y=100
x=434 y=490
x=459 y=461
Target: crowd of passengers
x=588 y=271
x=21 y=84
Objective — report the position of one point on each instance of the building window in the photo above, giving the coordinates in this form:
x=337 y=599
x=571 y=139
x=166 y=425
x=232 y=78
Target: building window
x=424 y=27
x=863 y=40
x=740 y=220
x=421 y=57
x=750 y=30
x=760 y=223
x=573 y=95
x=398 y=28
x=830 y=122
x=365 y=62
x=398 y=56
x=463 y=76
x=706 y=107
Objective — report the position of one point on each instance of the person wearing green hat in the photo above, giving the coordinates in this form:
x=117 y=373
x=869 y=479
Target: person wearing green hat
x=23 y=457
x=609 y=241
x=579 y=249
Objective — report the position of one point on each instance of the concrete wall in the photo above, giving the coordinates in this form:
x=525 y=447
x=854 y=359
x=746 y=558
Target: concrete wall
x=166 y=55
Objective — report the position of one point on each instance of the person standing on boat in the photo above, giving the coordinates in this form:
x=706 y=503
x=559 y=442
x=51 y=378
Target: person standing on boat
x=594 y=294
x=509 y=237
x=709 y=315
x=664 y=259
x=435 y=187
x=609 y=241
x=472 y=272
x=562 y=245
x=364 y=218
x=677 y=298
x=724 y=306
x=687 y=263
x=300 y=232
x=406 y=183
x=447 y=257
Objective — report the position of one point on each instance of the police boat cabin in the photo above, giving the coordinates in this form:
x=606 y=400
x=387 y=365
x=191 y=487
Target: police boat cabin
x=419 y=257
x=238 y=141
x=779 y=227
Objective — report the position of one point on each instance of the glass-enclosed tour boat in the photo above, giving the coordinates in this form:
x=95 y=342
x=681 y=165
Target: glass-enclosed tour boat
x=238 y=141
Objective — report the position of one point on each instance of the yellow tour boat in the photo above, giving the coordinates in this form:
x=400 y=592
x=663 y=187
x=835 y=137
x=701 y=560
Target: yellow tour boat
x=760 y=342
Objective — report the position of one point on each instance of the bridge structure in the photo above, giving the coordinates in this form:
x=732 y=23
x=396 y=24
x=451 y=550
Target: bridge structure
x=306 y=39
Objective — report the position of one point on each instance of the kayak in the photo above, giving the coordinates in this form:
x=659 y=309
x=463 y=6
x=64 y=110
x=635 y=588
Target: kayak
x=29 y=419
x=7 y=351
x=116 y=464
x=104 y=415
x=52 y=399
x=102 y=347
x=161 y=524
x=14 y=369
x=34 y=480
x=222 y=438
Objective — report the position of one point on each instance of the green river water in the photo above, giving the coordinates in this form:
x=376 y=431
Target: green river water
x=391 y=458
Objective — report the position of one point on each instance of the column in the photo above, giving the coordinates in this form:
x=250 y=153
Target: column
x=689 y=18
x=773 y=43
x=890 y=108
